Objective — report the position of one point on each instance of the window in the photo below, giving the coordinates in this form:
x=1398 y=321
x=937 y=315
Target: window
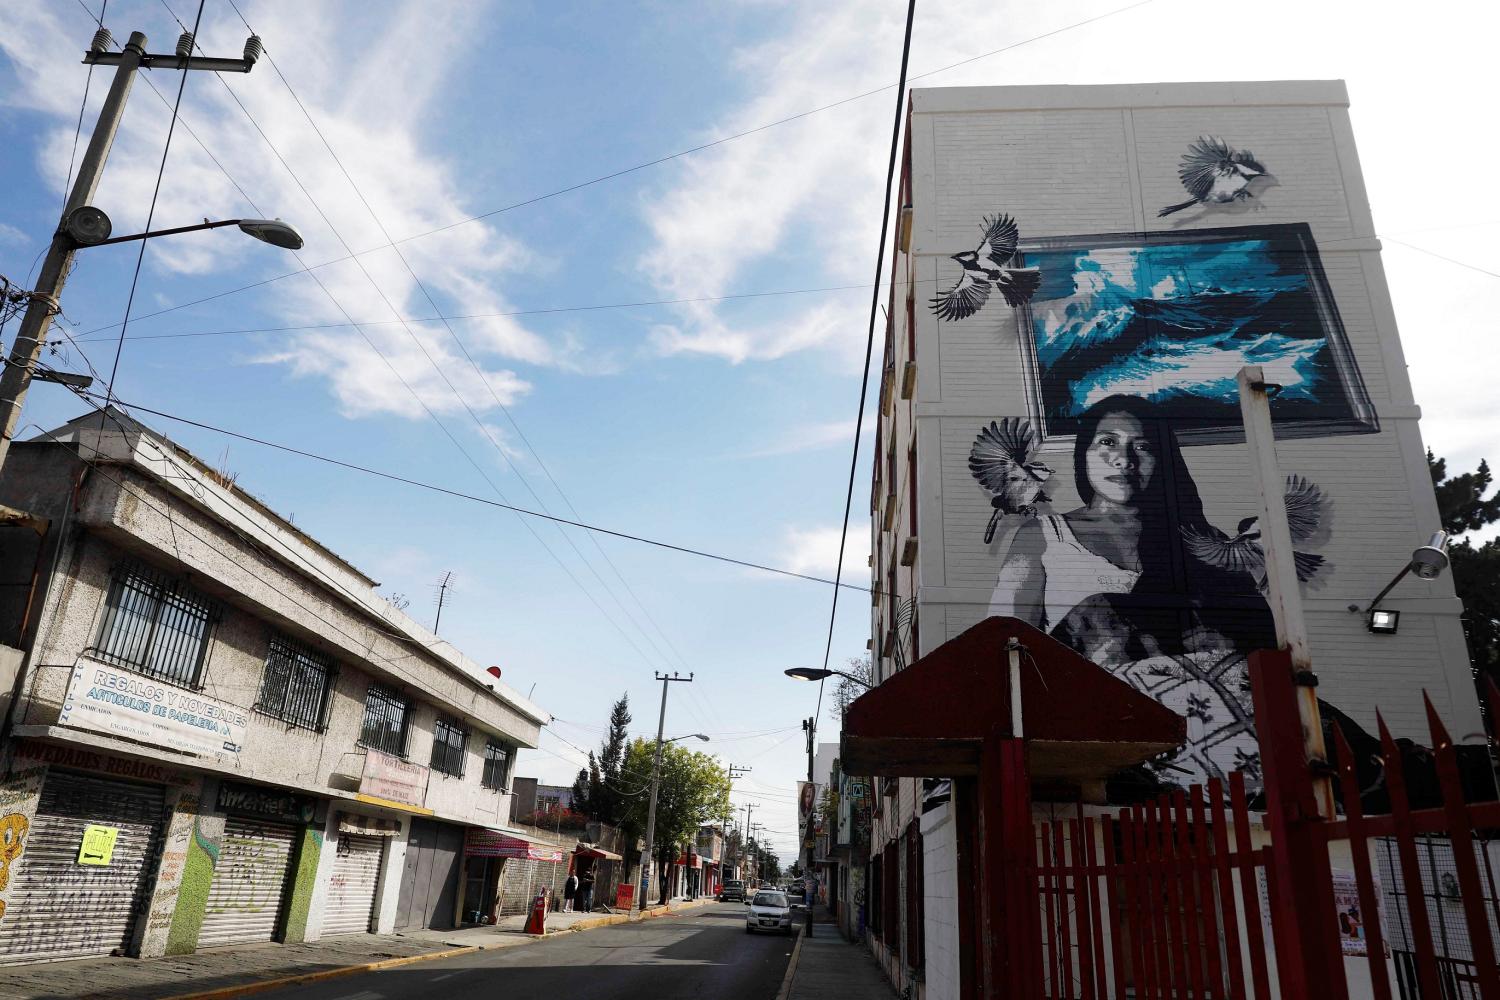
x=448 y=742
x=914 y=902
x=156 y=626
x=384 y=727
x=294 y=687
x=496 y=765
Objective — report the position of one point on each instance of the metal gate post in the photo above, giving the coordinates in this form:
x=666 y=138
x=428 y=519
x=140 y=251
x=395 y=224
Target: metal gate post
x=1309 y=961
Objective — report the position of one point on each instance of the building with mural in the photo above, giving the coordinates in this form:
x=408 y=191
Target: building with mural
x=216 y=731
x=1079 y=274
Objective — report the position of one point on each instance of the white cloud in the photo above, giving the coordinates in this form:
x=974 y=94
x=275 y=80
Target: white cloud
x=814 y=437
x=815 y=551
x=10 y=234
x=376 y=112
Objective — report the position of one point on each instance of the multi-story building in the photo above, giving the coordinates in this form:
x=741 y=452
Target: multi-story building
x=216 y=730
x=1079 y=275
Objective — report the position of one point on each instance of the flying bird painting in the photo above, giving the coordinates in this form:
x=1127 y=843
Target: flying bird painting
x=985 y=270
x=1004 y=460
x=1244 y=553
x=1215 y=173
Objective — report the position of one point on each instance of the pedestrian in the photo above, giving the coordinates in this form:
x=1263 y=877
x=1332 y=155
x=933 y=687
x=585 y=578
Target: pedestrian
x=570 y=890
x=586 y=891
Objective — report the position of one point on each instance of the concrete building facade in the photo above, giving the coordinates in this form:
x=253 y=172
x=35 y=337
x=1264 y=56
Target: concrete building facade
x=1059 y=440
x=218 y=730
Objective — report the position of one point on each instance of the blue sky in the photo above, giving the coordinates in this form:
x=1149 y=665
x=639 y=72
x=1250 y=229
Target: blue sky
x=718 y=425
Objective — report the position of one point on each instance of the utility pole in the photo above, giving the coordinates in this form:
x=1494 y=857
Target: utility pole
x=81 y=223
x=735 y=771
x=647 y=859
x=809 y=876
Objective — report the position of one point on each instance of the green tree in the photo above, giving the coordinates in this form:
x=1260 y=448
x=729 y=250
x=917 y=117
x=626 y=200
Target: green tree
x=1463 y=507
x=694 y=790
x=598 y=791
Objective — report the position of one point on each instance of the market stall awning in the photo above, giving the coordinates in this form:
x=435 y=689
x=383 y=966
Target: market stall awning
x=1080 y=722
x=508 y=844
x=597 y=852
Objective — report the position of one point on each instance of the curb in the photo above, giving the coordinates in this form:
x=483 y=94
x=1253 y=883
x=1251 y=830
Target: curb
x=245 y=989
x=791 y=969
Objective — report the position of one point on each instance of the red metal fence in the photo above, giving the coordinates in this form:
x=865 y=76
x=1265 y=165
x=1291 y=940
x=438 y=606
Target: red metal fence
x=1187 y=896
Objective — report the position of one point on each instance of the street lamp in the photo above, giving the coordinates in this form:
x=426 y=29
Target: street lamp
x=1427 y=562
x=689 y=736
x=83 y=225
x=817 y=674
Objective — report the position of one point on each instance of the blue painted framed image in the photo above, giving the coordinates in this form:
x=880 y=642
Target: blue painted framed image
x=1172 y=317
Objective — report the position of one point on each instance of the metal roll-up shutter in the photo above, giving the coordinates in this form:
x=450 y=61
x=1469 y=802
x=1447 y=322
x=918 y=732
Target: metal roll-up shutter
x=244 y=899
x=351 y=888
x=59 y=908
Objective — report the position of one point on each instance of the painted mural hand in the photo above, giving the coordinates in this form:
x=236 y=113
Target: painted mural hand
x=1004 y=460
x=985 y=268
x=1215 y=173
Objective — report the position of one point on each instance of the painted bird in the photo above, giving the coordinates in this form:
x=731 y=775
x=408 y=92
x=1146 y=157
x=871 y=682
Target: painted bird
x=1215 y=173
x=985 y=268
x=1004 y=460
x=1244 y=553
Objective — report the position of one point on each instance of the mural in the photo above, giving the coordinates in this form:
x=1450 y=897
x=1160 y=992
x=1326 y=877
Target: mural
x=13 y=830
x=1215 y=173
x=1172 y=317
x=987 y=268
x=1135 y=576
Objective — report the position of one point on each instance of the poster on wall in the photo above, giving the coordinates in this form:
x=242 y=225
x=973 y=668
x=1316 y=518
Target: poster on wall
x=1172 y=317
x=119 y=702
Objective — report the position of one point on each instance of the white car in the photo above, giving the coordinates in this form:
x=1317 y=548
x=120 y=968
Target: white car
x=769 y=911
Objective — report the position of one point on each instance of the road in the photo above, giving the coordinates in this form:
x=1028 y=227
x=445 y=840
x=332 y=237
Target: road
x=706 y=954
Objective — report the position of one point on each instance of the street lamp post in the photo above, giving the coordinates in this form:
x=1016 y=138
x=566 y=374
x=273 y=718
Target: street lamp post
x=83 y=225
x=661 y=724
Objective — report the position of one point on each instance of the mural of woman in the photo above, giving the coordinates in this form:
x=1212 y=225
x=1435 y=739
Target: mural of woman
x=1113 y=579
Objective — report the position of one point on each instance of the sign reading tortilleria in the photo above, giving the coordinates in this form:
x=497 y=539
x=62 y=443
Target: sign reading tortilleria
x=118 y=702
x=393 y=779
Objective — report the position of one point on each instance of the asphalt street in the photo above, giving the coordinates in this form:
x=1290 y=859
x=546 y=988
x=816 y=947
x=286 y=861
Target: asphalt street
x=705 y=954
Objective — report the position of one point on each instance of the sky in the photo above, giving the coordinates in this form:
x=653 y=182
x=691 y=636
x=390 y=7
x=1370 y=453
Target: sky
x=664 y=345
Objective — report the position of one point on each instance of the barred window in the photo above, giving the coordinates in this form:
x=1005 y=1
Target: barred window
x=384 y=727
x=497 y=757
x=156 y=626
x=448 y=742
x=294 y=687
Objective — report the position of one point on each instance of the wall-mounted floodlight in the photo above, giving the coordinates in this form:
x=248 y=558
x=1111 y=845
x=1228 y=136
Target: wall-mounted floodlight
x=1427 y=563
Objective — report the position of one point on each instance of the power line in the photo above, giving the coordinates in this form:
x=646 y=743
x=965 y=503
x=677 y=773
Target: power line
x=685 y=550
x=658 y=160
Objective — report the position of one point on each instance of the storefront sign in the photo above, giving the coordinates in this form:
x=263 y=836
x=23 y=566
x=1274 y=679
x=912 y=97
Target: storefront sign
x=624 y=896
x=393 y=779
x=268 y=803
x=98 y=845
x=118 y=702
x=87 y=760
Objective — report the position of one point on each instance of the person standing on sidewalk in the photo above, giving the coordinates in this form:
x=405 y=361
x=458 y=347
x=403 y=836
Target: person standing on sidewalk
x=586 y=890
x=570 y=889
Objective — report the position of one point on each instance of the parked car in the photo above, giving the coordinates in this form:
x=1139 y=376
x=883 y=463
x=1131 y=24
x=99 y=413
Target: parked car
x=732 y=890
x=769 y=911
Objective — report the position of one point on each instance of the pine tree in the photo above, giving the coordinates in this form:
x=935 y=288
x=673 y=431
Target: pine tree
x=609 y=804
x=1463 y=507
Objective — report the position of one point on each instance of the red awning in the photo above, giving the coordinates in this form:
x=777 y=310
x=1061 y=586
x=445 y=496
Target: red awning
x=494 y=844
x=597 y=852
x=929 y=720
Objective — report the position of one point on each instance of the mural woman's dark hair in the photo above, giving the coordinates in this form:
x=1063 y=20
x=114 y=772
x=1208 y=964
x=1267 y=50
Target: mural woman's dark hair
x=1171 y=501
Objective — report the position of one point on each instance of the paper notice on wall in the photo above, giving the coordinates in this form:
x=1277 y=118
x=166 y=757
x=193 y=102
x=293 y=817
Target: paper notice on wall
x=118 y=702
x=1353 y=921
x=98 y=845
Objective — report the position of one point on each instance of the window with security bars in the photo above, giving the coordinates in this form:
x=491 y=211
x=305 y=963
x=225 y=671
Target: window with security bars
x=384 y=728
x=294 y=687
x=448 y=742
x=156 y=626
x=497 y=758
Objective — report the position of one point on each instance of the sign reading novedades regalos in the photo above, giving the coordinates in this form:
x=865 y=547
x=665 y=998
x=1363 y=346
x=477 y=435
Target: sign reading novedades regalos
x=110 y=700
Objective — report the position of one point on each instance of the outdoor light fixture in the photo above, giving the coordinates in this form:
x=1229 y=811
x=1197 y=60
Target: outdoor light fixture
x=816 y=674
x=90 y=227
x=1427 y=563
x=689 y=736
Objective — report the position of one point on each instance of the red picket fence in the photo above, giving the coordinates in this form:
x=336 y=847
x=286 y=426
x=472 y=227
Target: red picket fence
x=1165 y=899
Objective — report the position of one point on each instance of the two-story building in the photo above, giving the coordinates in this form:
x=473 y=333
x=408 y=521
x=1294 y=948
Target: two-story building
x=1078 y=275
x=216 y=731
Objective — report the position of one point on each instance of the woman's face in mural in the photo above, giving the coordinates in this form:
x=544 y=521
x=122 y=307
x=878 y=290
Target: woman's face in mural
x=1121 y=459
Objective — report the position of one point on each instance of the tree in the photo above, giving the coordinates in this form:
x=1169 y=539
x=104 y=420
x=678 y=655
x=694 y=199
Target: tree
x=598 y=791
x=1463 y=507
x=694 y=790
x=847 y=690
x=587 y=789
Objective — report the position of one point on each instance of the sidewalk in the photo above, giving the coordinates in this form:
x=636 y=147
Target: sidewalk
x=826 y=967
x=251 y=964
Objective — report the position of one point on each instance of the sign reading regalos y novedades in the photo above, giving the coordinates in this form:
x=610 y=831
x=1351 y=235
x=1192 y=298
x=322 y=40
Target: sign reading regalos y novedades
x=117 y=702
